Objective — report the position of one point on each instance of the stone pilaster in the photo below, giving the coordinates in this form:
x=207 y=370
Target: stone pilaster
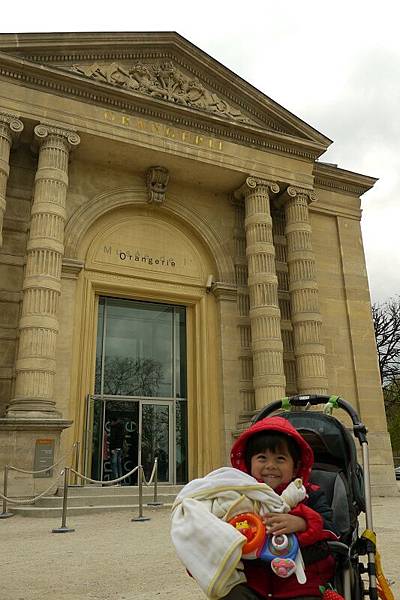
x=10 y=128
x=35 y=366
x=303 y=289
x=265 y=319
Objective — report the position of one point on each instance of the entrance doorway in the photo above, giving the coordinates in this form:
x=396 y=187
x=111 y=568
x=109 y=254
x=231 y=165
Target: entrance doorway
x=139 y=409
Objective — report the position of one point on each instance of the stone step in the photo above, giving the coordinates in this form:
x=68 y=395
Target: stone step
x=107 y=490
x=102 y=500
x=55 y=512
x=94 y=498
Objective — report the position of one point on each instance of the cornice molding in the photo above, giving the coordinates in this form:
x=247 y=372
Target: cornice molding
x=65 y=83
x=32 y=424
x=62 y=48
x=332 y=178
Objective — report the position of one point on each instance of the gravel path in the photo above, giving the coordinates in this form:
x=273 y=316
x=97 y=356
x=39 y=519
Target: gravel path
x=109 y=557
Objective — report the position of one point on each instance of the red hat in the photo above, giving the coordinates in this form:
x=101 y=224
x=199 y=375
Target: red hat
x=281 y=425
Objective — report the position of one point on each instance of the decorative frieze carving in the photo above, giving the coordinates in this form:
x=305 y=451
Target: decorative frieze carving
x=162 y=80
x=157 y=180
x=10 y=128
x=265 y=135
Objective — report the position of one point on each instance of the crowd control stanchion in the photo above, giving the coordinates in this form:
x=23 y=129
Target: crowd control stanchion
x=64 y=528
x=155 y=501
x=4 y=514
x=140 y=517
x=75 y=469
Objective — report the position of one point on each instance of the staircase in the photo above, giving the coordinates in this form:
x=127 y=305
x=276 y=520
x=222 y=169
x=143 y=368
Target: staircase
x=94 y=499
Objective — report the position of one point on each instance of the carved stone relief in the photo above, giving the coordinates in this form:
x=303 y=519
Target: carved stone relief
x=157 y=180
x=163 y=81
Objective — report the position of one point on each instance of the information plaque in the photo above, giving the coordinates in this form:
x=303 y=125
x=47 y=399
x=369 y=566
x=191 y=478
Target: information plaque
x=44 y=457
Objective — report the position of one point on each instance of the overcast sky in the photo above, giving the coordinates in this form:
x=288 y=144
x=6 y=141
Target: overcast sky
x=334 y=64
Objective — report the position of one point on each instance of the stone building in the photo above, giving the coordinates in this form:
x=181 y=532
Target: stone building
x=174 y=256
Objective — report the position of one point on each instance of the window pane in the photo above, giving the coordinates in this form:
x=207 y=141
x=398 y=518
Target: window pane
x=121 y=436
x=138 y=349
x=180 y=352
x=155 y=440
x=181 y=442
x=95 y=408
x=99 y=347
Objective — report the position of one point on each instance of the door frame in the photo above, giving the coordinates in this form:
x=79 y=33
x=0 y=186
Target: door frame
x=204 y=399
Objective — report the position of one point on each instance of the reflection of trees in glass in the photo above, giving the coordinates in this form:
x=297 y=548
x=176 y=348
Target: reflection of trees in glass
x=97 y=380
x=155 y=429
x=181 y=441
x=96 y=410
x=131 y=376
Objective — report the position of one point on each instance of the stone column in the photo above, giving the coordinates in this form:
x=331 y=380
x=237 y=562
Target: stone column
x=265 y=320
x=35 y=366
x=303 y=289
x=10 y=128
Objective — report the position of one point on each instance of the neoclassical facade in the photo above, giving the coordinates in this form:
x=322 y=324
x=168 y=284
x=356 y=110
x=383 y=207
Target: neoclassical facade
x=175 y=255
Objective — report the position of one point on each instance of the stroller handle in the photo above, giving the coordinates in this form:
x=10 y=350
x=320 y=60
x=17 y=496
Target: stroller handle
x=305 y=400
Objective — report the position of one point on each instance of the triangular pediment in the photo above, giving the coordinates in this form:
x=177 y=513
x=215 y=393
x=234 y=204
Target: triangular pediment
x=167 y=72
x=163 y=80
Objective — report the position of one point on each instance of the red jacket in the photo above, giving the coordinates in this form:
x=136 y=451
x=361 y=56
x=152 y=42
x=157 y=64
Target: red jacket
x=315 y=511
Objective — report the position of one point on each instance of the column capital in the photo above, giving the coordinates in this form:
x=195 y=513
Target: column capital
x=251 y=184
x=292 y=191
x=69 y=136
x=12 y=126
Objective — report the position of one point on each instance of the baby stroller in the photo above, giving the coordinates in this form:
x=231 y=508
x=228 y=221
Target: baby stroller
x=346 y=485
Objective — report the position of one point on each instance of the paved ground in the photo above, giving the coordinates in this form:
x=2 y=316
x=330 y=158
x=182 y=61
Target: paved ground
x=108 y=557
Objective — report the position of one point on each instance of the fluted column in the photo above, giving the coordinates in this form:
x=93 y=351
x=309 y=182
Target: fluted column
x=265 y=321
x=35 y=366
x=246 y=389
x=303 y=289
x=10 y=128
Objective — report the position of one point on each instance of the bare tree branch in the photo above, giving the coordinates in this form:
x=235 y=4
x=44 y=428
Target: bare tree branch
x=386 y=318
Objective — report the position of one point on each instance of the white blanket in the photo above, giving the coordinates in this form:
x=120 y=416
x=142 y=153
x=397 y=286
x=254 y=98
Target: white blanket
x=209 y=547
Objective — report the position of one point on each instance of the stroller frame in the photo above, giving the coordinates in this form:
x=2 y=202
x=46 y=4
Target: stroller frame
x=344 y=553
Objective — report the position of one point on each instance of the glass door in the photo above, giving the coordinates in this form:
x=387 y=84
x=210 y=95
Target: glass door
x=156 y=439
x=139 y=410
